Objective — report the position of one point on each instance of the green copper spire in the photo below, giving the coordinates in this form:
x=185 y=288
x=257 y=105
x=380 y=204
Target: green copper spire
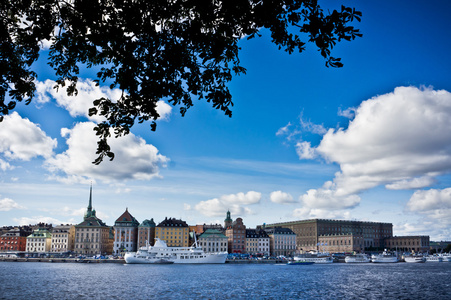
x=89 y=211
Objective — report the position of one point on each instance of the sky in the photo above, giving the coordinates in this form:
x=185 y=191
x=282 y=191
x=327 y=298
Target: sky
x=370 y=141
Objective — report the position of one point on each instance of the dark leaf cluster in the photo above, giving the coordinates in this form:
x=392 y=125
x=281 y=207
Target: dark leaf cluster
x=172 y=50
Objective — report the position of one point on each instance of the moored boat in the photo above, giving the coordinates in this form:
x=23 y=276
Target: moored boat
x=434 y=258
x=161 y=253
x=414 y=259
x=385 y=257
x=315 y=258
x=357 y=258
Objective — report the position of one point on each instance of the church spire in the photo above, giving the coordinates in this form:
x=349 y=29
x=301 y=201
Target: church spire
x=89 y=211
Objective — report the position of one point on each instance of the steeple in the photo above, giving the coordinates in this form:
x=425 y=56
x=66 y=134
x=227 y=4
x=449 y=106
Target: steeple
x=228 y=220
x=89 y=211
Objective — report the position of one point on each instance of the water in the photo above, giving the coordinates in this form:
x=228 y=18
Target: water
x=20 y=280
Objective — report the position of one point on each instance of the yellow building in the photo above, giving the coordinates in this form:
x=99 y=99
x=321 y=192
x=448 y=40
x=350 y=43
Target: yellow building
x=174 y=232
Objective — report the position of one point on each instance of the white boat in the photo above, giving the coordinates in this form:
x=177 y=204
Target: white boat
x=446 y=257
x=316 y=258
x=357 y=258
x=414 y=259
x=434 y=258
x=161 y=253
x=385 y=257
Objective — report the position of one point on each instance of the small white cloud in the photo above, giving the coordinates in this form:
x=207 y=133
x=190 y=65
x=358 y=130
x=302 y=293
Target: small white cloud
x=316 y=213
x=134 y=159
x=305 y=150
x=347 y=113
x=233 y=202
x=284 y=130
x=22 y=139
x=186 y=206
x=4 y=166
x=7 y=204
x=281 y=197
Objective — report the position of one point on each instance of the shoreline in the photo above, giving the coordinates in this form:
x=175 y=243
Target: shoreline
x=121 y=261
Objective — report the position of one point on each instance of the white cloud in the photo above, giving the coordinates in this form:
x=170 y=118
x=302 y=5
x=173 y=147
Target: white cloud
x=134 y=159
x=22 y=139
x=7 y=204
x=78 y=105
x=434 y=203
x=415 y=183
x=5 y=165
x=186 y=206
x=347 y=113
x=309 y=126
x=328 y=198
x=305 y=150
x=401 y=140
x=233 y=202
x=281 y=197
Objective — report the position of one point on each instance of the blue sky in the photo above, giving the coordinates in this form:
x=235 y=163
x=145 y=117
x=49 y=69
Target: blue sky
x=369 y=141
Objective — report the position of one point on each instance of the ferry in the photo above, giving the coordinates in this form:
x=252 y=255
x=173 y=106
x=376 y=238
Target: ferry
x=161 y=253
x=385 y=257
x=414 y=258
x=316 y=258
x=357 y=258
x=434 y=258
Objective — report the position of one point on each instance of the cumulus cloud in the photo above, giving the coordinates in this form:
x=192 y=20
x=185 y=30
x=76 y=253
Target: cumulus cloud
x=7 y=204
x=281 y=197
x=318 y=213
x=347 y=113
x=134 y=158
x=233 y=202
x=22 y=139
x=78 y=105
x=433 y=203
x=400 y=139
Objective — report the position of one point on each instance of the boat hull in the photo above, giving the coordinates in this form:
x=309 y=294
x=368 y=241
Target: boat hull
x=415 y=259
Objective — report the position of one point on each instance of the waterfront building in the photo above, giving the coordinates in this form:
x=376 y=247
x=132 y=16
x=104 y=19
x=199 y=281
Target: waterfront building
x=236 y=234
x=282 y=241
x=308 y=232
x=63 y=238
x=92 y=236
x=14 y=238
x=146 y=232
x=419 y=243
x=213 y=240
x=39 y=241
x=174 y=232
x=257 y=242
x=341 y=243
x=125 y=233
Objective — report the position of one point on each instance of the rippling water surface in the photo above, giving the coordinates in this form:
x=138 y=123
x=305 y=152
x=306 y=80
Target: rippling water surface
x=21 y=280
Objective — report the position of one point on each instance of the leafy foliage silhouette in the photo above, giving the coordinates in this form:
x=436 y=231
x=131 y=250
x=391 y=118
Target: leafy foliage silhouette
x=171 y=50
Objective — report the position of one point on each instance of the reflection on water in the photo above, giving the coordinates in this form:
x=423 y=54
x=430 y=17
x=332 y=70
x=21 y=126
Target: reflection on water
x=19 y=280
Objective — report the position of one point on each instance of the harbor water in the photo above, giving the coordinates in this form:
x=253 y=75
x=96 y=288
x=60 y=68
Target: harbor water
x=38 y=280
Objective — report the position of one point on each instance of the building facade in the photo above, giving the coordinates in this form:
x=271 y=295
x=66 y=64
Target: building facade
x=213 y=240
x=146 y=233
x=341 y=243
x=370 y=235
x=257 y=242
x=92 y=236
x=174 y=232
x=63 y=238
x=125 y=233
x=236 y=236
x=14 y=239
x=419 y=243
x=39 y=241
x=282 y=241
